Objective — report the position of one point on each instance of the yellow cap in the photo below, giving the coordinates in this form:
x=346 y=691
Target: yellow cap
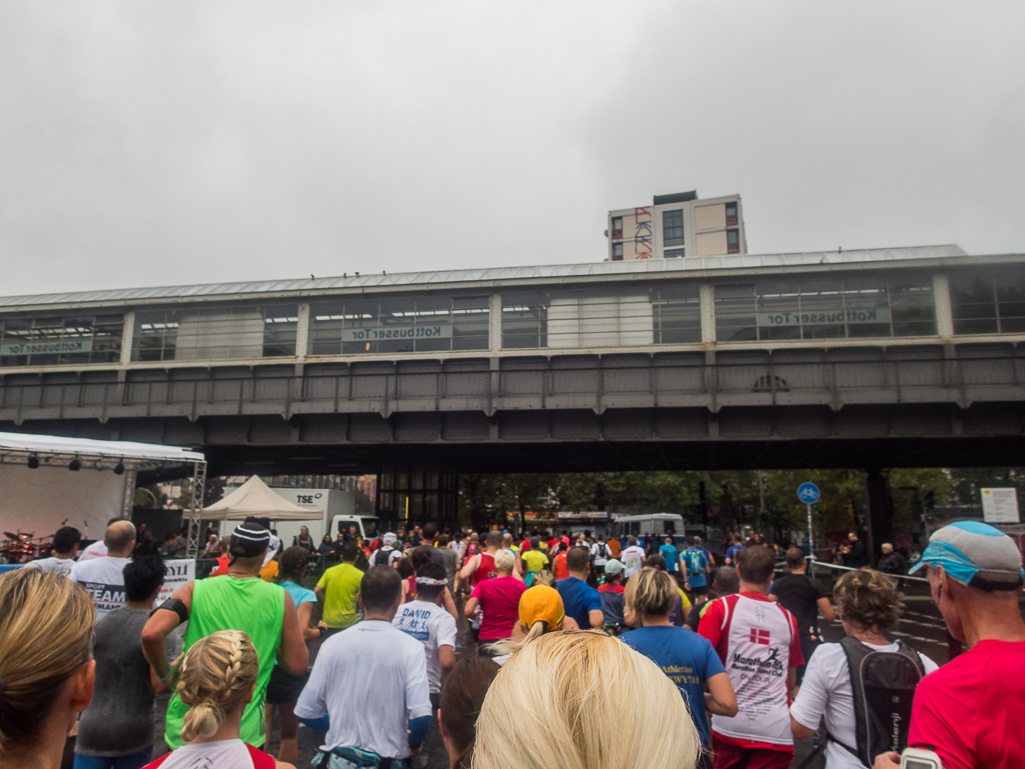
x=541 y=603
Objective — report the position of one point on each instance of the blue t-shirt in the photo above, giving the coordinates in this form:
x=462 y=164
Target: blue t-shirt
x=687 y=658
x=578 y=599
x=300 y=594
x=696 y=563
x=731 y=553
x=671 y=554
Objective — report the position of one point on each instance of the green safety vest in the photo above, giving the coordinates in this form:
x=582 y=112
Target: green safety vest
x=226 y=603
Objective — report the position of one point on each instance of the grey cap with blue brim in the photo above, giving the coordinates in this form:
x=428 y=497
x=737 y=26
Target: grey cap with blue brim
x=975 y=554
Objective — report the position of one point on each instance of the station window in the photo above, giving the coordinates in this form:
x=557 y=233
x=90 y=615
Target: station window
x=57 y=340
x=825 y=309
x=672 y=228
x=731 y=214
x=673 y=253
x=617 y=252
x=617 y=227
x=732 y=241
x=414 y=324
x=602 y=318
x=990 y=302
x=216 y=334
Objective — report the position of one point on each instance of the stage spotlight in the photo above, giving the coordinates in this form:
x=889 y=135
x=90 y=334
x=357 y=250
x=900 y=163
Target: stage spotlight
x=119 y=468
x=75 y=466
x=33 y=463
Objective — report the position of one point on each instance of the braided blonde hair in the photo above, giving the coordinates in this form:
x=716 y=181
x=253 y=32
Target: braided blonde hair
x=217 y=675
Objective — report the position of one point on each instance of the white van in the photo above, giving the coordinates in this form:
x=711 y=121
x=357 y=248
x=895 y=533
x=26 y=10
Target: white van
x=659 y=524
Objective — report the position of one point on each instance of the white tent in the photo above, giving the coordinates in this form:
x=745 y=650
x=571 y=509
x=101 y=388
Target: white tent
x=254 y=497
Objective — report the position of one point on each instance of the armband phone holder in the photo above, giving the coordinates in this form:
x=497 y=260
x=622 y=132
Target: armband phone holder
x=917 y=758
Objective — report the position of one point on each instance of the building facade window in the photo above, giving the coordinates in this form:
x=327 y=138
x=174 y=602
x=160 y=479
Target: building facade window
x=56 y=340
x=423 y=324
x=672 y=228
x=991 y=302
x=731 y=214
x=617 y=227
x=732 y=241
x=602 y=318
x=673 y=253
x=825 y=309
x=617 y=252
x=216 y=334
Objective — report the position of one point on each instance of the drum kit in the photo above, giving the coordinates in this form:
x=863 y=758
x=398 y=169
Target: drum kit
x=22 y=547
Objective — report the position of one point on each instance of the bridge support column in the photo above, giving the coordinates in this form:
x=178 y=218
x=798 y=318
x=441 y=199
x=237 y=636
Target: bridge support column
x=407 y=496
x=878 y=514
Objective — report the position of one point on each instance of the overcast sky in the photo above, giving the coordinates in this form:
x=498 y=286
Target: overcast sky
x=159 y=143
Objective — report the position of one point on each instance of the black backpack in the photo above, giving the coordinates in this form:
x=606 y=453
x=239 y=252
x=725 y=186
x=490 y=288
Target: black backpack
x=883 y=685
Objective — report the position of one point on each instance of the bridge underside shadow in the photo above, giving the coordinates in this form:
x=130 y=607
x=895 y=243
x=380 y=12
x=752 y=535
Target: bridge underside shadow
x=577 y=440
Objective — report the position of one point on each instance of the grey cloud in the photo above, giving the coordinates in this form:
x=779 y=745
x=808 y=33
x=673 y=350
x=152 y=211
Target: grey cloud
x=147 y=143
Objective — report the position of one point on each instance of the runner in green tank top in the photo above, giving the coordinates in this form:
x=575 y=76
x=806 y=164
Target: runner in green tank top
x=239 y=601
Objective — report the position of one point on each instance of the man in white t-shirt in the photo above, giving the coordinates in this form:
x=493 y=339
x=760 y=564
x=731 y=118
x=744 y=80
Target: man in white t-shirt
x=64 y=549
x=632 y=557
x=760 y=647
x=427 y=620
x=387 y=554
x=600 y=554
x=370 y=682
x=102 y=577
x=97 y=549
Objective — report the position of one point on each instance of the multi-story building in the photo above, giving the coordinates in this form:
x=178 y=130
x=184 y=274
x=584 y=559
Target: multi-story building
x=677 y=225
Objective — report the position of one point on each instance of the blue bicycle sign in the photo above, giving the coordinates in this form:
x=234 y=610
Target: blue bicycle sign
x=808 y=493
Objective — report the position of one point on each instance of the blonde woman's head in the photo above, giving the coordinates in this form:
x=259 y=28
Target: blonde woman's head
x=46 y=637
x=217 y=677
x=549 y=706
x=505 y=561
x=651 y=593
x=544 y=577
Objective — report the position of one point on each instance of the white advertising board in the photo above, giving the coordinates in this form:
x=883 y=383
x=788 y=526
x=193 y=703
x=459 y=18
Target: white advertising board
x=176 y=573
x=1000 y=505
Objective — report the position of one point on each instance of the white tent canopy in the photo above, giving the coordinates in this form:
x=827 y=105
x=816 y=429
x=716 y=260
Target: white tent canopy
x=254 y=497
x=15 y=447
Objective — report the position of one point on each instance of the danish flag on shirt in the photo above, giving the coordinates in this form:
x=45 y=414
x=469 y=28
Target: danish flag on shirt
x=760 y=636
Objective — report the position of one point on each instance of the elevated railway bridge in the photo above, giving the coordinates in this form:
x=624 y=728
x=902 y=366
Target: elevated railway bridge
x=872 y=359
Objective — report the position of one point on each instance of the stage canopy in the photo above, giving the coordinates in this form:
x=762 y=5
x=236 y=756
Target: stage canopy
x=255 y=498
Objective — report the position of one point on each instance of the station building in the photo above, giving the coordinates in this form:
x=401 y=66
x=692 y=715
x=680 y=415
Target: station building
x=901 y=296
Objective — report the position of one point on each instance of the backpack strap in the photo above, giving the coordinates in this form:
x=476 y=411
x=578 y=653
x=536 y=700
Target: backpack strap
x=856 y=651
x=260 y=759
x=911 y=654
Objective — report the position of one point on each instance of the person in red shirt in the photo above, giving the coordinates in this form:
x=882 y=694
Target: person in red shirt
x=561 y=569
x=223 y=561
x=499 y=600
x=760 y=647
x=969 y=711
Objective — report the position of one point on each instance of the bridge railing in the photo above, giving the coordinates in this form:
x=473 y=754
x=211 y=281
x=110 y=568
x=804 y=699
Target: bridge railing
x=568 y=382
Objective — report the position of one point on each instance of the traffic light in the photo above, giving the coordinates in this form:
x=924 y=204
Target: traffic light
x=929 y=499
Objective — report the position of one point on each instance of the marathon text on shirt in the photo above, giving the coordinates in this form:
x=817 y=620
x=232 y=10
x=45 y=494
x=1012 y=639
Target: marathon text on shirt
x=771 y=664
x=827 y=318
x=396 y=332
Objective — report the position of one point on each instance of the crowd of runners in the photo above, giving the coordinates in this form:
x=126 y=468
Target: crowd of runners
x=586 y=652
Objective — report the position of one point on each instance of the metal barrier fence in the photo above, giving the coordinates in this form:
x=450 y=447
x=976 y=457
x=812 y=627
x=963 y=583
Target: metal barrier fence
x=848 y=568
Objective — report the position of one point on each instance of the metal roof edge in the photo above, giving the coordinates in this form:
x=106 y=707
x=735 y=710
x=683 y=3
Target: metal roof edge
x=691 y=267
